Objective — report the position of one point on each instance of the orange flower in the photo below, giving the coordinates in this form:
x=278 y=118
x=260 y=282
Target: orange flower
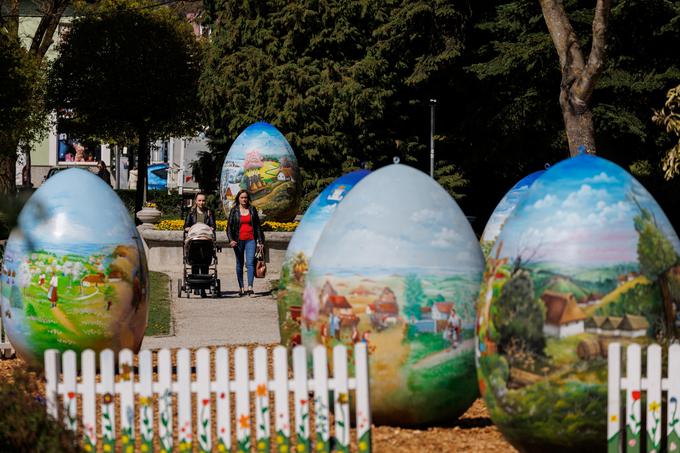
x=244 y=421
x=261 y=390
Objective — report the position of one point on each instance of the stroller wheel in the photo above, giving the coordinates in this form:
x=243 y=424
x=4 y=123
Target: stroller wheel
x=179 y=287
x=216 y=289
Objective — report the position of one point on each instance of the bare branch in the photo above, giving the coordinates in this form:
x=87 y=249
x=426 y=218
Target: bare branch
x=10 y=21
x=52 y=11
x=586 y=84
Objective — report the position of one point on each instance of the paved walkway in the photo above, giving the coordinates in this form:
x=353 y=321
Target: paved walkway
x=227 y=320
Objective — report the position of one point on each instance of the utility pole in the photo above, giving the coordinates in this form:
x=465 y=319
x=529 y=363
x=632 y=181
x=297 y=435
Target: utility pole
x=433 y=103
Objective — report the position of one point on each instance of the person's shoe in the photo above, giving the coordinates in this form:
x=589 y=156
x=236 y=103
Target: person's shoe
x=251 y=292
x=241 y=293
x=203 y=294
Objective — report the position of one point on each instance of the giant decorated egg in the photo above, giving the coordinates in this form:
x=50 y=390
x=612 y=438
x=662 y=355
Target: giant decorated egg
x=74 y=274
x=584 y=260
x=504 y=208
x=296 y=261
x=398 y=267
x=262 y=162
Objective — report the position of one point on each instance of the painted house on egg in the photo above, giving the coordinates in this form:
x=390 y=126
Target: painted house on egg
x=563 y=316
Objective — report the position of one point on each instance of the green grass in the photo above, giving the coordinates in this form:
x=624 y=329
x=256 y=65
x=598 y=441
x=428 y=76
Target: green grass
x=159 y=305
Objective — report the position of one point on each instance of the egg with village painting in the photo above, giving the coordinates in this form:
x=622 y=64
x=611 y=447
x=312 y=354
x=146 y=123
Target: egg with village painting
x=300 y=248
x=398 y=267
x=262 y=162
x=586 y=258
x=74 y=274
x=505 y=207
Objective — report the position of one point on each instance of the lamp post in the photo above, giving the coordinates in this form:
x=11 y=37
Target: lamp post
x=433 y=103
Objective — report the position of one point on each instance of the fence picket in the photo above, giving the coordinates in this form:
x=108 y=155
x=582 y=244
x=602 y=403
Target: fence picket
x=108 y=405
x=203 y=403
x=242 y=399
x=6 y=349
x=633 y=399
x=363 y=410
x=52 y=371
x=88 y=368
x=165 y=390
x=321 y=407
x=341 y=392
x=301 y=399
x=183 y=390
x=70 y=401
x=282 y=421
x=653 y=398
x=262 y=431
x=223 y=399
x=127 y=401
x=673 y=381
x=146 y=400
x=614 y=398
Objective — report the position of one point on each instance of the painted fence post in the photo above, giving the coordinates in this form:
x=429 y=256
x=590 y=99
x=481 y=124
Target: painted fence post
x=88 y=366
x=673 y=419
x=52 y=372
x=242 y=387
x=6 y=349
x=107 y=373
x=165 y=411
x=146 y=401
x=301 y=399
x=203 y=403
x=282 y=421
x=127 y=401
x=363 y=410
x=653 y=427
x=633 y=399
x=262 y=431
x=185 y=434
x=70 y=389
x=341 y=394
x=321 y=400
x=614 y=398
x=223 y=400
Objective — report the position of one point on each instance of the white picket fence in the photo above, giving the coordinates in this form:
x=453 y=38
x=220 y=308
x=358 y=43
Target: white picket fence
x=138 y=394
x=653 y=385
x=6 y=349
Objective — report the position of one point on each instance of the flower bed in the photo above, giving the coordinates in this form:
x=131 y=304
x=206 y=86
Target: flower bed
x=177 y=224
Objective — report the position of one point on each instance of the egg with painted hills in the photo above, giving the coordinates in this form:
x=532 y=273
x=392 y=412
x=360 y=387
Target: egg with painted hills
x=74 y=274
x=299 y=252
x=586 y=258
x=398 y=267
x=504 y=208
x=262 y=162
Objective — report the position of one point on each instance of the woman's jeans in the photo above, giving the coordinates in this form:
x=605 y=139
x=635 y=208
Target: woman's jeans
x=247 y=247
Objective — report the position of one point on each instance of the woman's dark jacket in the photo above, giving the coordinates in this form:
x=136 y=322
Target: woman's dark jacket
x=191 y=218
x=234 y=224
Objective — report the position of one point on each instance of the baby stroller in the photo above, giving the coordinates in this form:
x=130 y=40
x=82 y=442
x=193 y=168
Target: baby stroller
x=199 y=249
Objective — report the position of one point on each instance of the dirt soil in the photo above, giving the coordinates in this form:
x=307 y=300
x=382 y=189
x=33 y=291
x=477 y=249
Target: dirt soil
x=473 y=432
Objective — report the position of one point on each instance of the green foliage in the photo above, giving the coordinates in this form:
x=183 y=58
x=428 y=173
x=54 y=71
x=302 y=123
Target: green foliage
x=518 y=316
x=346 y=81
x=669 y=118
x=26 y=426
x=414 y=295
x=160 y=316
x=655 y=252
x=642 y=300
x=206 y=171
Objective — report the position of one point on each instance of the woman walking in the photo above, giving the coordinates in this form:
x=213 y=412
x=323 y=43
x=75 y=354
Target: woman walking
x=244 y=233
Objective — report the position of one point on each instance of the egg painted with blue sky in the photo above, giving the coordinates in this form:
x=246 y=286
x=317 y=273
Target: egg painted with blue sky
x=398 y=267
x=302 y=244
x=74 y=274
x=586 y=258
x=262 y=162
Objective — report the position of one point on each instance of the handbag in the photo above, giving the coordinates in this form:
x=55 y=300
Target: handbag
x=260 y=265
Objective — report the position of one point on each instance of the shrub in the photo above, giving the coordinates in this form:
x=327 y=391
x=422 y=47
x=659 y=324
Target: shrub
x=177 y=224
x=26 y=426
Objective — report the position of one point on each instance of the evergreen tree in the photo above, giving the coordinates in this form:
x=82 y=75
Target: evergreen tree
x=414 y=296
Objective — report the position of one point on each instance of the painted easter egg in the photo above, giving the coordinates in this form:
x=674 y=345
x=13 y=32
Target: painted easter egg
x=398 y=267
x=586 y=258
x=505 y=207
x=79 y=273
x=262 y=162
x=296 y=261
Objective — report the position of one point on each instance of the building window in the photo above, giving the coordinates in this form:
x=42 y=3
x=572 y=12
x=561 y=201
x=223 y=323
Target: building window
x=73 y=151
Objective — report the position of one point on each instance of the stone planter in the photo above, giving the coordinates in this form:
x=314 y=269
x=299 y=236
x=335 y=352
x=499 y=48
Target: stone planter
x=149 y=215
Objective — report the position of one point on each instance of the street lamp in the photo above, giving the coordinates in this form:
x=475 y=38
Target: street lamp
x=433 y=103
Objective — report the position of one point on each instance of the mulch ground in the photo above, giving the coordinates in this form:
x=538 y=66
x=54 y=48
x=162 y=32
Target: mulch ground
x=473 y=432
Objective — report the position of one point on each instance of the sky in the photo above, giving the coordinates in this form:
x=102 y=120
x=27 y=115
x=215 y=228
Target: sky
x=581 y=212
x=78 y=208
x=319 y=212
x=397 y=218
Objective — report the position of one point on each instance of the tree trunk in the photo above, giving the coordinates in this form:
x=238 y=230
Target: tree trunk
x=8 y=174
x=142 y=157
x=669 y=308
x=578 y=124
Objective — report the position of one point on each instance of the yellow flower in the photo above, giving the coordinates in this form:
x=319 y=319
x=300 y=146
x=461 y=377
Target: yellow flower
x=343 y=398
x=145 y=447
x=283 y=448
x=144 y=401
x=261 y=445
x=125 y=439
x=614 y=418
x=319 y=445
x=362 y=446
x=279 y=439
x=220 y=447
x=301 y=447
x=107 y=447
x=130 y=449
x=88 y=447
x=654 y=406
